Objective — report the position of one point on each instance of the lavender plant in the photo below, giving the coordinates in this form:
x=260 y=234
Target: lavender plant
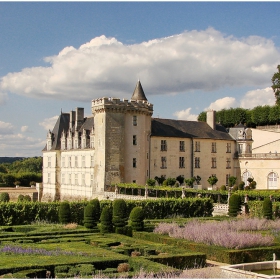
x=228 y=234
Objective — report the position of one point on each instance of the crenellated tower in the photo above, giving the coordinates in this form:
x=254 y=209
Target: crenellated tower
x=122 y=135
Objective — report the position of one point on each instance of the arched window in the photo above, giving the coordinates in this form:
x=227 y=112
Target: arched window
x=245 y=176
x=272 y=180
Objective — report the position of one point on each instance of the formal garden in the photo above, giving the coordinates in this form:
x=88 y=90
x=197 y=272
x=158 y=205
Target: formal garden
x=166 y=237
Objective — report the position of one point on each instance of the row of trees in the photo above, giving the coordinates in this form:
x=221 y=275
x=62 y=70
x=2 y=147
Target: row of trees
x=23 y=172
x=260 y=115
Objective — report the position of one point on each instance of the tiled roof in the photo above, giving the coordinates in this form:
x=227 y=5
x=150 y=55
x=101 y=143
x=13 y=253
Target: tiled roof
x=187 y=129
x=138 y=93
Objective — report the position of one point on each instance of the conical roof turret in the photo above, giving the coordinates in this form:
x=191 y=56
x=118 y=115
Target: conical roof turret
x=138 y=93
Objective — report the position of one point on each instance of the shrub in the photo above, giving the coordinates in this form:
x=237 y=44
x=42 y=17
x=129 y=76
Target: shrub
x=235 y=188
x=89 y=221
x=119 y=213
x=267 y=208
x=106 y=224
x=151 y=182
x=123 y=267
x=160 y=179
x=170 y=181
x=20 y=198
x=212 y=180
x=234 y=205
x=64 y=212
x=190 y=181
x=232 y=181
x=96 y=205
x=223 y=188
x=27 y=198
x=4 y=197
x=241 y=186
x=180 y=179
x=137 y=218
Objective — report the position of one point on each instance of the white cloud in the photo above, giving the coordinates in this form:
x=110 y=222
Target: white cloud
x=258 y=97
x=205 y=60
x=222 y=103
x=6 y=128
x=25 y=128
x=185 y=115
x=48 y=124
x=20 y=145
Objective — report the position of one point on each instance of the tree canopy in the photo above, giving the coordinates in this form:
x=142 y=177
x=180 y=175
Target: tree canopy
x=276 y=85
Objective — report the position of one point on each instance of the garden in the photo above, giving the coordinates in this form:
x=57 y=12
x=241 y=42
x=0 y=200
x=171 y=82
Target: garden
x=157 y=238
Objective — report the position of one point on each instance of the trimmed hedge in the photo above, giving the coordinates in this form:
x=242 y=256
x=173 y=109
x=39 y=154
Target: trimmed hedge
x=27 y=212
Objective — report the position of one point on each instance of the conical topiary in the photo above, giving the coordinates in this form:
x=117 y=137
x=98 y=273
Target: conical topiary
x=234 y=205
x=106 y=224
x=267 y=208
x=96 y=213
x=137 y=218
x=64 y=213
x=89 y=221
x=120 y=216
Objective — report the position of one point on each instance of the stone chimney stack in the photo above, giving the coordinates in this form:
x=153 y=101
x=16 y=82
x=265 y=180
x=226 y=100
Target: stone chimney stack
x=72 y=119
x=211 y=119
x=79 y=118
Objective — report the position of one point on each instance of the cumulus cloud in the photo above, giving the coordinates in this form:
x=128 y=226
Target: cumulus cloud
x=25 y=128
x=185 y=115
x=222 y=103
x=20 y=145
x=48 y=124
x=194 y=60
x=258 y=97
x=6 y=128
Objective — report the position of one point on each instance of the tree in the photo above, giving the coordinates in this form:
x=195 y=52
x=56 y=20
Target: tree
x=64 y=212
x=190 y=181
x=212 y=180
x=267 y=208
x=276 y=85
x=234 y=207
x=232 y=180
x=120 y=216
x=137 y=217
x=151 y=182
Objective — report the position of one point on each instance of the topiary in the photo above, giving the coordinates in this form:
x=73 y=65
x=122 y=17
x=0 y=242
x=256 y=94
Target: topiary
x=106 y=224
x=89 y=221
x=96 y=213
x=234 y=205
x=64 y=213
x=27 y=198
x=241 y=186
x=20 y=198
x=137 y=217
x=120 y=216
x=4 y=197
x=267 y=208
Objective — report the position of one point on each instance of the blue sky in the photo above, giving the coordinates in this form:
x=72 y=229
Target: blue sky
x=189 y=57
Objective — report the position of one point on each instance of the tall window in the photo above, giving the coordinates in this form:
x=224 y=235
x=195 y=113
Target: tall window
x=240 y=148
x=91 y=161
x=91 y=180
x=91 y=141
x=49 y=178
x=134 y=120
x=227 y=179
x=83 y=179
x=63 y=178
x=163 y=145
x=228 y=147
x=228 y=163
x=163 y=163
x=134 y=162
x=181 y=162
x=69 y=179
x=134 y=140
x=63 y=144
x=197 y=146
x=197 y=162
x=214 y=162
x=76 y=179
x=182 y=146
x=63 y=161
x=69 y=161
x=49 y=161
x=76 y=161
x=83 y=161
x=214 y=148
x=272 y=180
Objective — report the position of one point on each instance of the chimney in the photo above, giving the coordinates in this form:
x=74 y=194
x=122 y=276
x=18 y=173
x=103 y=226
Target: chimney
x=211 y=119
x=79 y=118
x=72 y=119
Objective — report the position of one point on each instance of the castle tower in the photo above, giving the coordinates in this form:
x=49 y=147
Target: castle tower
x=122 y=133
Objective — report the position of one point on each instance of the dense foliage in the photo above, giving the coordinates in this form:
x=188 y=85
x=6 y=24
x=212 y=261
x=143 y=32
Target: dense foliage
x=234 y=207
x=64 y=212
x=136 y=218
x=24 y=171
x=4 y=197
x=267 y=208
x=106 y=224
x=120 y=215
x=276 y=85
x=89 y=221
x=258 y=116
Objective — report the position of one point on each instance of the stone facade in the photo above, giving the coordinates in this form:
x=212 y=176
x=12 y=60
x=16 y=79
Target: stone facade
x=122 y=143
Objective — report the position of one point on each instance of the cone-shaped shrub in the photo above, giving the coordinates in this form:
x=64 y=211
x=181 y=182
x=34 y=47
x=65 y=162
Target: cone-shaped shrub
x=106 y=224
x=64 y=212
x=234 y=205
x=137 y=218
x=96 y=205
x=267 y=208
x=119 y=214
x=4 y=197
x=89 y=220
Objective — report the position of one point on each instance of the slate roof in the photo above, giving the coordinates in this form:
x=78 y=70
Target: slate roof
x=138 y=93
x=62 y=124
x=188 y=129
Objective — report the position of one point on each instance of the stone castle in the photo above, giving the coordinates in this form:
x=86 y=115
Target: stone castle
x=122 y=143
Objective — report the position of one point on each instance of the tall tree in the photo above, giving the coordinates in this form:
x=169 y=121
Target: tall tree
x=276 y=85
